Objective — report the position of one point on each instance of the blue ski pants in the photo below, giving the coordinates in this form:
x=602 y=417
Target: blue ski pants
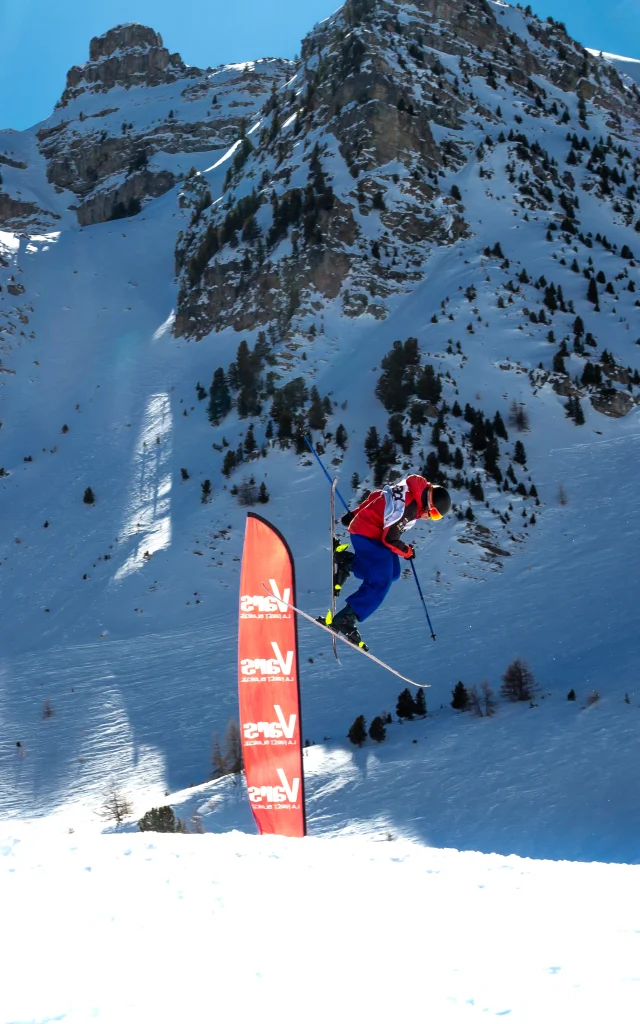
x=377 y=566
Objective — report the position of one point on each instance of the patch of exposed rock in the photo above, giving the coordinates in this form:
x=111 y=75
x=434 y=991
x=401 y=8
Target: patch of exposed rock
x=125 y=200
x=611 y=402
x=17 y=213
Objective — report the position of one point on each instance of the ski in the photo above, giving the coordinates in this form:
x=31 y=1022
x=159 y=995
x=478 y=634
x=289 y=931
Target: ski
x=334 y=484
x=339 y=636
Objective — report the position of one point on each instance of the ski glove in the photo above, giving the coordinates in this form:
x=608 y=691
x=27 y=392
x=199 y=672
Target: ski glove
x=409 y=553
x=347 y=518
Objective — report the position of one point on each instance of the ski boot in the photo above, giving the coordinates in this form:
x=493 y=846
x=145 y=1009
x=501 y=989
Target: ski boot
x=345 y=622
x=342 y=562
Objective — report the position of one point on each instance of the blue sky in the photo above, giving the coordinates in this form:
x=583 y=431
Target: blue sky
x=41 y=39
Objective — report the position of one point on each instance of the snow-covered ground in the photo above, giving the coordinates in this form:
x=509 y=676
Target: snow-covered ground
x=163 y=928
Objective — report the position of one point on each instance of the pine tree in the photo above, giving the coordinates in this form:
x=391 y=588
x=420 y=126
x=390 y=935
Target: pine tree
x=519 y=453
x=499 y=427
x=406 y=705
x=89 y=497
x=341 y=436
x=160 y=819
x=421 y=704
x=219 y=397
x=316 y=416
x=249 y=443
x=518 y=682
x=429 y=385
x=386 y=459
x=372 y=446
x=377 y=729
x=358 y=731
x=233 y=748
x=592 y=291
x=591 y=374
x=460 y=697
x=229 y=462
x=206 y=490
x=488 y=701
x=571 y=695
x=263 y=494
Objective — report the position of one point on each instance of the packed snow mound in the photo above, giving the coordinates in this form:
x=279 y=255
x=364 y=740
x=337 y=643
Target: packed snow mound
x=264 y=922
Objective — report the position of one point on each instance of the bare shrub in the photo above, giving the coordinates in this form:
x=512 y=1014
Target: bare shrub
x=562 y=495
x=195 y=824
x=473 y=701
x=47 y=710
x=248 y=493
x=116 y=806
x=226 y=758
x=518 y=416
x=233 y=748
x=217 y=760
x=518 y=682
x=593 y=698
x=488 y=702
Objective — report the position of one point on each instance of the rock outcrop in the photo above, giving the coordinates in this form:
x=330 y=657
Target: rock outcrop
x=126 y=55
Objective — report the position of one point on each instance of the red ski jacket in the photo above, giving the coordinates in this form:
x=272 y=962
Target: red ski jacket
x=384 y=514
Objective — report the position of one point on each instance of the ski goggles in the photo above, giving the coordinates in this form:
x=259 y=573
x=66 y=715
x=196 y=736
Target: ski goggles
x=431 y=511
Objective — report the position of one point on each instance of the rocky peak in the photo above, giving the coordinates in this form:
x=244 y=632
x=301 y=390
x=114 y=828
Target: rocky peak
x=125 y=55
x=123 y=37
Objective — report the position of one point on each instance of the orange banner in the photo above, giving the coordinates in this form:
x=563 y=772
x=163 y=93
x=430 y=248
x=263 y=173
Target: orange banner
x=268 y=686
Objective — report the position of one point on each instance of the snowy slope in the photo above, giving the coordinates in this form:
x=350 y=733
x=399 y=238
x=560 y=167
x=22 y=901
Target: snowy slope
x=629 y=66
x=138 y=658
x=341 y=929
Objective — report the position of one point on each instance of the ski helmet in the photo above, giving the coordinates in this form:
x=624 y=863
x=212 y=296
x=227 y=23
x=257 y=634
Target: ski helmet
x=436 y=498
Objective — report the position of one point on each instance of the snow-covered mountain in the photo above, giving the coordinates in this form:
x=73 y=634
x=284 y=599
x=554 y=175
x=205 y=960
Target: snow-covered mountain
x=629 y=66
x=458 y=173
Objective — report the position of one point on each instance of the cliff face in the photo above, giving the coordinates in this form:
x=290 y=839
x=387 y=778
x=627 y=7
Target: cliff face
x=125 y=128
x=126 y=55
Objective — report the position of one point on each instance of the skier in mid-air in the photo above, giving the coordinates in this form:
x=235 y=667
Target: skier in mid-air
x=375 y=527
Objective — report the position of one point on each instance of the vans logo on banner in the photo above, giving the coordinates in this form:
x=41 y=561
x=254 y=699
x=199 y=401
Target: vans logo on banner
x=264 y=602
x=271 y=730
x=282 y=794
x=278 y=666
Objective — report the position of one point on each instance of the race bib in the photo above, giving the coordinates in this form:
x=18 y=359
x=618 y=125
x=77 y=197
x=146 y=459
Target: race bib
x=394 y=503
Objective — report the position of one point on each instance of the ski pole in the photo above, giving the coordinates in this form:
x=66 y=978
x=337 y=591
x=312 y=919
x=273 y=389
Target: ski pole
x=424 y=603
x=312 y=449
